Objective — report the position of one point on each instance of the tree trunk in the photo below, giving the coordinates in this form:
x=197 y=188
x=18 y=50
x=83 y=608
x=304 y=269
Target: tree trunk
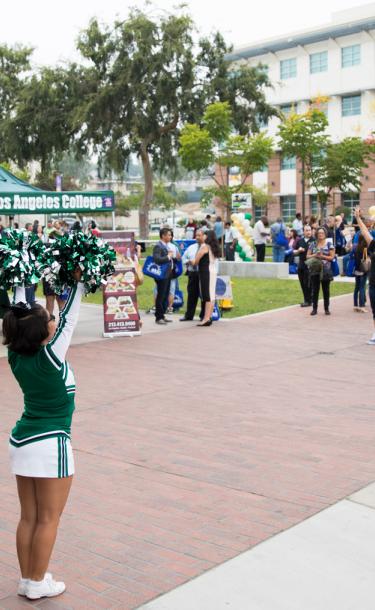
x=303 y=189
x=149 y=191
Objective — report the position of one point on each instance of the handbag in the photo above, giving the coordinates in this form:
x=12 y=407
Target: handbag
x=177 y=268
x=216 y=313
x=365 y=264
x=281 y=240
x=178 y=300
x=335 y=267
x=327 y=273
x=152 y=269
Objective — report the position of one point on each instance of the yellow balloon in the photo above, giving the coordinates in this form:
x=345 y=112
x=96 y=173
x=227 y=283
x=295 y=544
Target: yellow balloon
x=372 y=211
x=233 y=217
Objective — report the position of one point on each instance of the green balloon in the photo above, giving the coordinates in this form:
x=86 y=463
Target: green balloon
x=242 y=255
x=248 y=216
x=248 y=260
x=238 y=248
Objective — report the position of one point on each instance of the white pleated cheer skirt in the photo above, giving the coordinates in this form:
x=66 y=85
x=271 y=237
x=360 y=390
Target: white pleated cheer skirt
x=51 y=458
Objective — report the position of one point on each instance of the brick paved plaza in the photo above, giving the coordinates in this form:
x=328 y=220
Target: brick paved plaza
x=194 y=445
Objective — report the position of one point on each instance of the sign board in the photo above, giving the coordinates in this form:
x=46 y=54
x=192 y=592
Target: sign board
x=121 y=316
x=47 y=202
x=241 y=201
x=223 y=287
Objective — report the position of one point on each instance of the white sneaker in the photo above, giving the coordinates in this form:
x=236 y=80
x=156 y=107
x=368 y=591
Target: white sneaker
x=44 y=588
x=22 y=584
x=371 y=341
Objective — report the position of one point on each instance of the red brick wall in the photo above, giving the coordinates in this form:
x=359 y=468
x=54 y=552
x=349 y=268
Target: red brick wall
x=368 y=199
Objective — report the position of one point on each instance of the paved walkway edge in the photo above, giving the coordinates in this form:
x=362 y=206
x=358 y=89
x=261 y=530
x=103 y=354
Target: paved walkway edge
x=324 y=563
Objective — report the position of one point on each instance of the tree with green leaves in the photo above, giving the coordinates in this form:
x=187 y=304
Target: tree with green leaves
x=147 y=76
x=42 y=125
x=340 y=166
x=213 y=144
x=304 y=136
x=14 y=62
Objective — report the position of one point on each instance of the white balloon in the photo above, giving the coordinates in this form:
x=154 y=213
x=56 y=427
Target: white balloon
x=242 y=242
x=248 y=232
x=246 y=222
x=235 y=233
x=241 y=216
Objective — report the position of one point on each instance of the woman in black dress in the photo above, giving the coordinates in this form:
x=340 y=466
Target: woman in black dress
x=206 y=258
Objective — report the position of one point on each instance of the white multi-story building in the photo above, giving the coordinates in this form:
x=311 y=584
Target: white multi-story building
x=334 y=63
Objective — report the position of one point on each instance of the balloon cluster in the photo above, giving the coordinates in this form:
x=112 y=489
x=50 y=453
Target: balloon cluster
x=74 y=251
x=22 y=258
x=243 y=232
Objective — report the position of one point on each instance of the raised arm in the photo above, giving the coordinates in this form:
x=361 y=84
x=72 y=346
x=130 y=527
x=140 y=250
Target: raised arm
x=364 y=230
x=58 y=346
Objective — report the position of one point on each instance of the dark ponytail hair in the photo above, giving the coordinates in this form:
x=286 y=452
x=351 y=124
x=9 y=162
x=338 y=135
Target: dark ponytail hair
x=25 y=333
x=211 y=240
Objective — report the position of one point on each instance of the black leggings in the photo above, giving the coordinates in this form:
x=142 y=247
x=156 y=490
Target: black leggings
x=315 y=288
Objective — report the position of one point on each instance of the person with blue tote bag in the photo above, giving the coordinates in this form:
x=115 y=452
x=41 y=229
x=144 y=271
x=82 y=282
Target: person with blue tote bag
x=161 y=256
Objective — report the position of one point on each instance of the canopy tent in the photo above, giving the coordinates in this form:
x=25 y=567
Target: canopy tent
x=19 y=197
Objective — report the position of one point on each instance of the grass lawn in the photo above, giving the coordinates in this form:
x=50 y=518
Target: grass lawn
x=249 y=295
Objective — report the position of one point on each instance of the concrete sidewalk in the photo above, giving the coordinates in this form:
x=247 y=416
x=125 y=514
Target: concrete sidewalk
x=234 y=448
x=324 y=563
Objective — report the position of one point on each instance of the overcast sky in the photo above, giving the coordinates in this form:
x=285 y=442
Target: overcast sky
x=52 y=27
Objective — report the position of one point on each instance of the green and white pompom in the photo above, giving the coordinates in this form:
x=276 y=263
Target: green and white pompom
x=74 y=251
x=22 y=258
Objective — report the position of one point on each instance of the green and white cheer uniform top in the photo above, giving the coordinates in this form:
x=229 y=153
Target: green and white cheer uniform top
x=47 y=381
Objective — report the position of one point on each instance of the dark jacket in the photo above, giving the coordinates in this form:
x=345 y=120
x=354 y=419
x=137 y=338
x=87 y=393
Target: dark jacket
x=160 y=254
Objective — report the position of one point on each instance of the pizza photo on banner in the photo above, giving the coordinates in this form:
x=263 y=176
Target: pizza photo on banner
x=121 y=316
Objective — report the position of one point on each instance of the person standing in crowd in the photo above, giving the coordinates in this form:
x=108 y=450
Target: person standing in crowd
x=361 y=268
x=190 y=229
x=298 y=224
x=161 y=256
x=219 y=232
x=303 y=245
x=172 y=247
x=340 y=240
x=229 y=242
x=292 y=245
x=260 y=236
x=279 y=241
x=323 y=252
x=40 y=450
x=370 y=241
x=330 y=226
x=206 y=259
x=208 y=221
x=93 y=228
x=193 y=292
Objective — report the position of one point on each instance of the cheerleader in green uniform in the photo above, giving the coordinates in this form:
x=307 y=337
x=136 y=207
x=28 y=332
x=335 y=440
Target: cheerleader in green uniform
x=40 y=449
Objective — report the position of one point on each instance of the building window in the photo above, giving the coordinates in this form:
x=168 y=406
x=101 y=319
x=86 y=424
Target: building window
x=351 y=56
x=288 y=68
x=288 y=163
x=315 y=207
x=351 y=105
x=350 y=200
x=259 y=211
x=288 y=207
x=262 y=122
x=319 y=62
x=287 y=109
